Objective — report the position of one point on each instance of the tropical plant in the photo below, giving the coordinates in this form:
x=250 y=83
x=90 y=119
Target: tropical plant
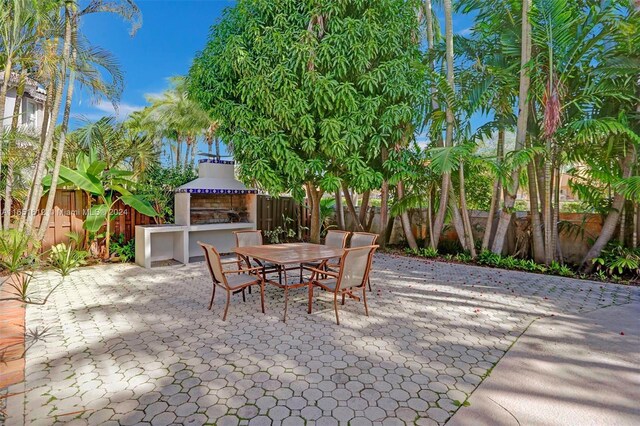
x=124 y=250
x=66 y=258
x=109 y=186
x=618 y=260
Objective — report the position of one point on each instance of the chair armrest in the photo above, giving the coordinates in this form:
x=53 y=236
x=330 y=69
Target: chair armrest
x=237 y=271
x=323 y=272
x=231 y=261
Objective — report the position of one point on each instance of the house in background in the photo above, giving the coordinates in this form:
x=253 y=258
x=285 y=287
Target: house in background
x=31 y=113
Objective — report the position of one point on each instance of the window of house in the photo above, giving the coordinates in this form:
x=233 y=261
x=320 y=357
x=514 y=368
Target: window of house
x=29 y=116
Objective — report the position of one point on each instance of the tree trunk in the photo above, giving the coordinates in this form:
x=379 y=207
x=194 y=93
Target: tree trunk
x=46 y=138
x=194 y=151
x=8 y=196
x=456 y=219
x=3 y=90
x=339 y=210
x=178 y=151
x=549 y=248
x=468 y=230
x=446 y=177
x=48 y=143
x=636 y=213
x=609 y=225
x=406 y=222
x=384 y=213
x=623 y=225
x=217 y=148
x=521 y=131
x=495 y=195
x=534 y=209
x=556 y=214
x=364 y=206
x=69 y=30
x=314 y=199
x=352 y=210
x=430 y=217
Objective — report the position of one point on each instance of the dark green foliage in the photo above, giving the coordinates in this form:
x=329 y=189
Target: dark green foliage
x=159 y=184
x=427 y=252
x=618 y=260
x=125 y=251
x=311 y=91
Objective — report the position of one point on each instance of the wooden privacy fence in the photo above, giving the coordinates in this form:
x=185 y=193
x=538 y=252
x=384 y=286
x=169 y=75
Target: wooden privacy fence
x=273 y=212
x=70 y=209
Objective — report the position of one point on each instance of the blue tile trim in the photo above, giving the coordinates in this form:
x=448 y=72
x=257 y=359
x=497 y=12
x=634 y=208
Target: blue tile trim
x=214 y=161
x=218 y=191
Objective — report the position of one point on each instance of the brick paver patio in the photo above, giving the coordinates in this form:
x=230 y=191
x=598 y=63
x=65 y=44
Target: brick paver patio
x=127 y=345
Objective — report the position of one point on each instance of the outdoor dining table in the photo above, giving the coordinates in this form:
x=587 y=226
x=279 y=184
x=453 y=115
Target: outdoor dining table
x=289 y=254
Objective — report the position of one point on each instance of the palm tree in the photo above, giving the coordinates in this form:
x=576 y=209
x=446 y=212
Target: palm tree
x=179 y=116
x=521 y=130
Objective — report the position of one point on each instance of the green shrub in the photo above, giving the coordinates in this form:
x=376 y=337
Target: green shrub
x=126 y=251
x=427 y=252
x=618 y=260
x=464 y=257
x=489 y=258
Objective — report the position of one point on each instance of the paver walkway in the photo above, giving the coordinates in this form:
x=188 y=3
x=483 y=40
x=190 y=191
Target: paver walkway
x=128 y=345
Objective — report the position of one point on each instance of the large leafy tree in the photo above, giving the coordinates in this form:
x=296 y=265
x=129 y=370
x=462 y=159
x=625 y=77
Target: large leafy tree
x=309 y=94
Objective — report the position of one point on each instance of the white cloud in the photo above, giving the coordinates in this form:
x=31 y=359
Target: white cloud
x=465 y=32
x=123 y=109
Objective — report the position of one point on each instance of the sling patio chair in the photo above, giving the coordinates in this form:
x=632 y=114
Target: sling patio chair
x=362 y=239
x=334 y=239
x=352 y=277
x=232 y=281
x=254 y=238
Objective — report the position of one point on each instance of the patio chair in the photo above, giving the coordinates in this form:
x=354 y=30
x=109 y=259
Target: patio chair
x=352 y=277
x=232 y=281
x=334 y=239
x=254 y=238
x=362 y=239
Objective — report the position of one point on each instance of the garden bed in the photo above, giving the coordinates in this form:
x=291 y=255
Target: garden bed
x=512 y=264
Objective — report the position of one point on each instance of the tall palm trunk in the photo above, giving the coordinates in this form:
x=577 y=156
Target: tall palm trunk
x=536 y=223
x=609 y=225
x=43 y=133
x=404 y=219
x=523 y=114
x=3 y=97
x=466 y=222
x=8 y=197
x=446 y=177
x=636 y=213
x=48 y=142
x=549 y=249
x=456 y=219
x=217 y=148
x=70 y=30
x=178 y=150
x=495 y=195
x=6 y=76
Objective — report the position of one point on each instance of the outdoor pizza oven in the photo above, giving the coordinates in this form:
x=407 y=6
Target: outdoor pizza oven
x=208 y=209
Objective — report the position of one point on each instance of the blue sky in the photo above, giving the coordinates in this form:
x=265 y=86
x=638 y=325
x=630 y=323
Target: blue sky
x=172 y=32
